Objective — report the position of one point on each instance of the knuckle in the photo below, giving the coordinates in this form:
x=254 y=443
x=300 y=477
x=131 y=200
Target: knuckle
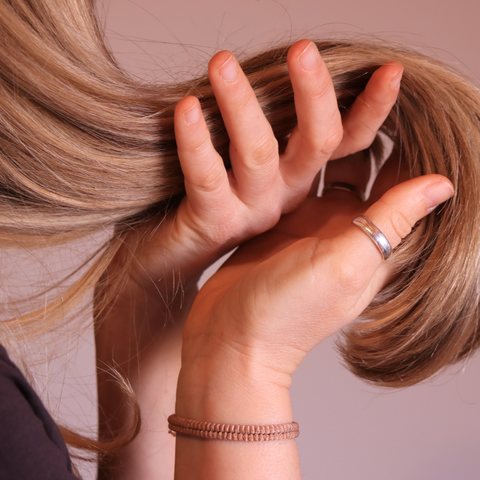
x=343 y=269
x=348 y=276
x=196 y=147
x=241 y=102
x=272 y=217
x=333 y=139
x=266 y=215
x=262 y=152
x=210 y=181
x=323 y=145
x=400 y=223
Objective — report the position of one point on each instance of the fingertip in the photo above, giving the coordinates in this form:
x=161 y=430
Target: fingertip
x=299 y=47
x=224 y=65
x=391 y=73
x=189 y=109
x=386 y=72
x=191 y=132
x=219 y=58
x=396 y=80
x=304 y=53
x=187 y=102
x=394 y=67
x=438 y=192
x=310 y=57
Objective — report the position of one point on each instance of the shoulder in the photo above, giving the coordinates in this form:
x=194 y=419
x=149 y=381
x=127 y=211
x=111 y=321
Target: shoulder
x=30 y=441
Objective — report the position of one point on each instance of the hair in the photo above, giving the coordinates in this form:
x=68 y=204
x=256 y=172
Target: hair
x=85 y=147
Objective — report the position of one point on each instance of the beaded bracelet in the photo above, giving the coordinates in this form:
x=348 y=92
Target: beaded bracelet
x=222 y=431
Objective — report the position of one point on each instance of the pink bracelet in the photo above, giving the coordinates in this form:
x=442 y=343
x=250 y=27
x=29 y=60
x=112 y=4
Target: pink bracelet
x=222 y=431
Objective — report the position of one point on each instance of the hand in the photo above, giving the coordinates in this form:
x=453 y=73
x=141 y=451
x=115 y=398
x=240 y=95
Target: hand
x=223 y=208
x=287 y=290
x=279 y=295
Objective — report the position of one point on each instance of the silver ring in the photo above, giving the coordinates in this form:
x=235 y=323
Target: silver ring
x=346 y=187
x=375 y=235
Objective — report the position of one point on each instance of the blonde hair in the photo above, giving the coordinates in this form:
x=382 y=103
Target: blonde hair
x=83 y=146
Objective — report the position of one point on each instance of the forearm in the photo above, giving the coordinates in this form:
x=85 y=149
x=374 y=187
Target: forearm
x=140 y=338
x=229 y=389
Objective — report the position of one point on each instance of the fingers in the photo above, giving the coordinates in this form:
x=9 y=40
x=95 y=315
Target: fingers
x=202 y=166
x=253 y=147
x=370 y=109
x=258 y=179
x=319 y=127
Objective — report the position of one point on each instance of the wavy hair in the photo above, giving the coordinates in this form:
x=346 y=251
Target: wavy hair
x=84 y=146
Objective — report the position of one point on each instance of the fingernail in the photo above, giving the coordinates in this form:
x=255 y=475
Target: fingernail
x=229 y=70
x=309 y=57
x=192 y=114
x=395 y=82
x=437 y=193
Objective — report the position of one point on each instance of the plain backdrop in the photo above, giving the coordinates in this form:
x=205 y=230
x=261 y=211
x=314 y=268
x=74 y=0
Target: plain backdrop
x=348 y=430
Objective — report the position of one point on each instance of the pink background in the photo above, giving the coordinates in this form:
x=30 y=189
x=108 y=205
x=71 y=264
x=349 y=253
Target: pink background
x=348 y=430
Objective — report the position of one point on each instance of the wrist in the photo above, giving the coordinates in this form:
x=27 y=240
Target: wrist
x=228 y=387
x=219 y=385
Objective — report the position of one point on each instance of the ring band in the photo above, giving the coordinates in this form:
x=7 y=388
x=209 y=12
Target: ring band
x=346 y=187
x=375 y=235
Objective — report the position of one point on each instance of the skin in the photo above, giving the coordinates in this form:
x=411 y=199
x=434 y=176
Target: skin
x=275 y=299
x=254 y=321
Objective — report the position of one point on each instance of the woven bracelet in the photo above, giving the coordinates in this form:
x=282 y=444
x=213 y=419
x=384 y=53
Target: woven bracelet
x=223 y=431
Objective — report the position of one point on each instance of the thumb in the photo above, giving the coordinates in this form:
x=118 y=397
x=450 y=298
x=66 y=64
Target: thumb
x=394 y=214
x=315 y=286
x=354 y=271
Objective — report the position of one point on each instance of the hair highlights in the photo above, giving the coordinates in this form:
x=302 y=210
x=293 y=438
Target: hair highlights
x=83 y=146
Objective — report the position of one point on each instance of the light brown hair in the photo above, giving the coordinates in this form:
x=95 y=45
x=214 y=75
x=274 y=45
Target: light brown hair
x=84 y=147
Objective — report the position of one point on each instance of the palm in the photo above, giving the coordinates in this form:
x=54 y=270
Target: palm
x=317 y=217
